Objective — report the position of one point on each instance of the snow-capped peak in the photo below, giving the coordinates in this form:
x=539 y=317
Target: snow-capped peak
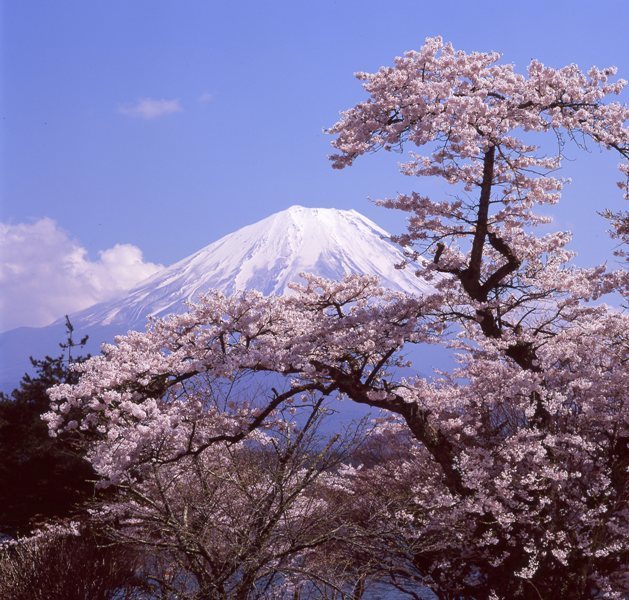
x=266 y=256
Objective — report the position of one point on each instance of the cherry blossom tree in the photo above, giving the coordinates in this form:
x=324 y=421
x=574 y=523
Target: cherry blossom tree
x=513 y=478
x=235 y=520
x=532 y=345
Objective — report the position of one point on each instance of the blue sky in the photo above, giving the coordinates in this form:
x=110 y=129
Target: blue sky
x=238 y=95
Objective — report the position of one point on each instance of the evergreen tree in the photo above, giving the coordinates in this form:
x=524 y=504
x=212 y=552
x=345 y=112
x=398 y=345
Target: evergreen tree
x=40 y=477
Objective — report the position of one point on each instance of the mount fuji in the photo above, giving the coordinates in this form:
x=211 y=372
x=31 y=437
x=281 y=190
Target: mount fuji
x=265 y=256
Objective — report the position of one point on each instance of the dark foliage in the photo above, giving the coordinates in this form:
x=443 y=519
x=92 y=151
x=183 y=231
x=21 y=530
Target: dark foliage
x=67 y=567
x=40 y=477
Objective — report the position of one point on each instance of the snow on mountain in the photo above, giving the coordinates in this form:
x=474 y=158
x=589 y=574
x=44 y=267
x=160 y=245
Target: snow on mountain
x=265 y=256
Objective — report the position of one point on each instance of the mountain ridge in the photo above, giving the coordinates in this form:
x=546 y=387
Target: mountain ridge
x=266 y=256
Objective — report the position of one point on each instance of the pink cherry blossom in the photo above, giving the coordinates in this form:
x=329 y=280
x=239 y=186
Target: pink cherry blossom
x=504 y=478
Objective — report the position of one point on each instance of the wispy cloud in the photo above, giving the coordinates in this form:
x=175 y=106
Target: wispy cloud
x=150 y=108
x=44 y=274
x=206 y=97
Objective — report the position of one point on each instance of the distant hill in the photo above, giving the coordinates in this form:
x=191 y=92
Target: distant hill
x=265 y=256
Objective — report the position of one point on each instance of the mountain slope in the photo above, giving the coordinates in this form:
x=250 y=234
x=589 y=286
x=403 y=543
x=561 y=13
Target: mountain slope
x=265 y=256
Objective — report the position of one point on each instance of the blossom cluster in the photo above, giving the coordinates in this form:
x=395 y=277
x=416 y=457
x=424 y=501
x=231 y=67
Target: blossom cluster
x=508 y=473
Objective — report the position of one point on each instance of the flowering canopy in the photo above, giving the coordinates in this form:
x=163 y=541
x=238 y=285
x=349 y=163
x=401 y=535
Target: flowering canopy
x=516 y=472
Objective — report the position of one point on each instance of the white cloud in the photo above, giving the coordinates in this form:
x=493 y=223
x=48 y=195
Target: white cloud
x=206 y=97
x=150 y=108
x=44 y=274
